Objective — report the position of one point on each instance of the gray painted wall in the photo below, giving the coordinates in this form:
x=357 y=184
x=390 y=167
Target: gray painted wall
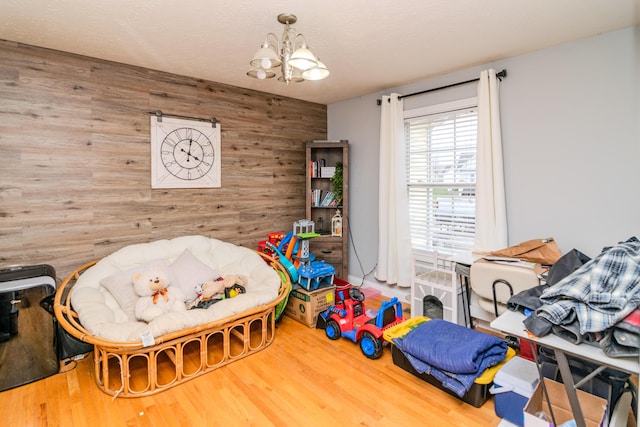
x=571 y=145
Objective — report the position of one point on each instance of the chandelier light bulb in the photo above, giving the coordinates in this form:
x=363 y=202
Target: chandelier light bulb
x=303 y=59
x=318 y=72
x=261 y=74
x=266 y=63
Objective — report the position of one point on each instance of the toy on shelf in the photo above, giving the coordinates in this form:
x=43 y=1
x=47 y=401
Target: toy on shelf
x=348 y=318
x=336 y=224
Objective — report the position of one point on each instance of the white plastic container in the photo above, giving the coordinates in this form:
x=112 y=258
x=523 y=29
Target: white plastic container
x=513 y=385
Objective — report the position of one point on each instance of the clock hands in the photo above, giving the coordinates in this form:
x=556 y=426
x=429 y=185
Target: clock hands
x=188 y=153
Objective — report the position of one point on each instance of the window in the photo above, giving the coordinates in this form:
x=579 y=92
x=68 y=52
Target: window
x=441 y=176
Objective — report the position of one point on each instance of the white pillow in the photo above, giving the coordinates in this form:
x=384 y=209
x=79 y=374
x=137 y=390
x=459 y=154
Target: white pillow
x=120 y=286
x=189 y=272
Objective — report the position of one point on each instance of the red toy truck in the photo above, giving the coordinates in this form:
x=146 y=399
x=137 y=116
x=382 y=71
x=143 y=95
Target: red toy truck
x=348 y=318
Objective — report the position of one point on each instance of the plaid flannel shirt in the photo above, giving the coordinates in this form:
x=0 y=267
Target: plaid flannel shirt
x=600 y=293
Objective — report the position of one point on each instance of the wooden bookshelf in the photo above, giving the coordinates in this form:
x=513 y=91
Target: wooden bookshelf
x=327 y=155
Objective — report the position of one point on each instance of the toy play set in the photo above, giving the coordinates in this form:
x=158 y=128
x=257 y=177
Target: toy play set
x=292 y=251
x=346 y=315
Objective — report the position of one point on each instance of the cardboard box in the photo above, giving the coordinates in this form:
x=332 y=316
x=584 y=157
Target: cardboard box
x=594 y=408
x=304 y=306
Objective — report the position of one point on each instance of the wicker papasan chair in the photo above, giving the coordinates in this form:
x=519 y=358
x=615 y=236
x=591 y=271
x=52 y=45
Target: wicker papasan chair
x=134 y=358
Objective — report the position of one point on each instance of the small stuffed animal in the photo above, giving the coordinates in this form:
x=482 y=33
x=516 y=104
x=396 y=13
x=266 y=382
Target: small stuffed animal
x=235 y=281
x=157 y=295
x=213 y=291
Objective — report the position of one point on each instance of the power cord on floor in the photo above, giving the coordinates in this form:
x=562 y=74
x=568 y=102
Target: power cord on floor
x=355 y=251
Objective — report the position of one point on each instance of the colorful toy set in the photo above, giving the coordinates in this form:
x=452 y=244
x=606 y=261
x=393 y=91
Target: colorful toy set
x=348 y=316
x=312 y=274
x=274 y=239
x=292 y=251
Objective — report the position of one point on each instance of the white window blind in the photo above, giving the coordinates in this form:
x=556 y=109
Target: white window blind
x=441 y=178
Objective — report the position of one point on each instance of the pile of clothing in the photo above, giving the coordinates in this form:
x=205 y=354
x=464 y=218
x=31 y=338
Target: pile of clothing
x=451 y=353
x=594 y=301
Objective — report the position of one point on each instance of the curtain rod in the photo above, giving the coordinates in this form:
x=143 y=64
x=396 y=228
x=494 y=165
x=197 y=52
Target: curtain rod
x=159 y=115
x=500 y=75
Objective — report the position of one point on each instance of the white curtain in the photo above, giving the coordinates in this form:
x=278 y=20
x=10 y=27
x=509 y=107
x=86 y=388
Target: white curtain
x=394 y=244
x=491 y=212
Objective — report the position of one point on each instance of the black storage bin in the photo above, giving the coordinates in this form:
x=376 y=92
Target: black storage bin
x=67 y=345
x=476 y=396
x=8 y=316
x=27 y=335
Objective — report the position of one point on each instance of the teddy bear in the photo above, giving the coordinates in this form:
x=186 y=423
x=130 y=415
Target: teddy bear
x=157 y=295
x=212 y=291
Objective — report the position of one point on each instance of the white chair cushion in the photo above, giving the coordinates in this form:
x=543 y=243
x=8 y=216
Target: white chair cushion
x=483 y=274
x=102 y=315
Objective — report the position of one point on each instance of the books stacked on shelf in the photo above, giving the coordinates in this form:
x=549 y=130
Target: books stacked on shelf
x=327 y=200
x=320 y=170
x=313 y=169
x=315 y=197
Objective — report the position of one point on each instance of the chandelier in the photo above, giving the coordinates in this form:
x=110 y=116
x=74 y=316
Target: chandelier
x=296 y=61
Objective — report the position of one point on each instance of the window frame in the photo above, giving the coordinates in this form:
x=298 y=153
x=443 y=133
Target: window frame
x=436 y=109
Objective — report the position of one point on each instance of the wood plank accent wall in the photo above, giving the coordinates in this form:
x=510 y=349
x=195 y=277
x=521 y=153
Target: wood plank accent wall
x=75 y=182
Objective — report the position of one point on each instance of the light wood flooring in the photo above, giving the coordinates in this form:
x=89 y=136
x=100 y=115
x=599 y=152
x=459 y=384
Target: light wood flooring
x=302 y=379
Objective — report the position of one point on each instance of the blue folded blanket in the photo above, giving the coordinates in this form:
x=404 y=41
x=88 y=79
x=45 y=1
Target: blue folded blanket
x=453 y=354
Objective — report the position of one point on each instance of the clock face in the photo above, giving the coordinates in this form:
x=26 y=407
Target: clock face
x=187 y=153
x=184 y=153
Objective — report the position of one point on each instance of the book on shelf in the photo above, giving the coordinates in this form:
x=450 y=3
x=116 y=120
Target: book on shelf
x=315 y=197
x=323 y=199
x=319 y=169
x=328 y=197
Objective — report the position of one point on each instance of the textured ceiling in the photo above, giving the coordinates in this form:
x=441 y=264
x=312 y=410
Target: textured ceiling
x=368 y=45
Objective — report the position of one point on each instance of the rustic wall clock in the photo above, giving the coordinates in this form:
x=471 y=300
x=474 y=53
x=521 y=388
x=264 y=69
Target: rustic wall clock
x=185 y=153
